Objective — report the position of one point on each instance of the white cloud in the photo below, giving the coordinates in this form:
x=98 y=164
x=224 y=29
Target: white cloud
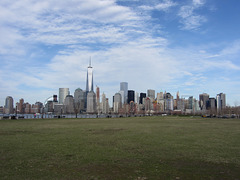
x=189 y=18
x=165 y=5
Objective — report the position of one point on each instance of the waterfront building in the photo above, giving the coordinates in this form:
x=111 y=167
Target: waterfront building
x=37 y=107
x=169 y=101
x=69 y=104
x=20 y=106
x=59 y=109
x=212 y=104
x=142 y=95
x=104 y=107
x=131 y=96
x=117 y=104
x=79 y=99
x=204 y=101
x=221 y=101
x=91 y=102
x=122 y=95
x=124 y=88
x=9 y=109
x=98 y=99
x=63 y=92
x=190 y=102
x=136 y=98
x=28 y=108
x=151 y=93
x=89 y=83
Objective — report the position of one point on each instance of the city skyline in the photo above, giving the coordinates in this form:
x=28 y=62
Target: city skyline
x=192 y=46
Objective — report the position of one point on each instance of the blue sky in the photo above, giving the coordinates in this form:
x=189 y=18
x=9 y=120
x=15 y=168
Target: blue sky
x=190 y=46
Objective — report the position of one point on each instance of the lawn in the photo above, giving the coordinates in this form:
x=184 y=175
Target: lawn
x=123 y=148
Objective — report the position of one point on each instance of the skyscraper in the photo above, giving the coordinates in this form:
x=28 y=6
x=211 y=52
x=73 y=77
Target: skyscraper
x=9 y=105
x=89 y=83
x=142 y=95
x=69 y=104
x=151 y=93
x=204 y=101
x=124 y=88
x=221 y=101
x=91 y=102
x=117 y=104
x=79 y=99
x=131 y=96
x=63 y=92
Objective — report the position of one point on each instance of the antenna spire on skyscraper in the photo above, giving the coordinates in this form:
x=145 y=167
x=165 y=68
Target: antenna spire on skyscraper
x=90 y=62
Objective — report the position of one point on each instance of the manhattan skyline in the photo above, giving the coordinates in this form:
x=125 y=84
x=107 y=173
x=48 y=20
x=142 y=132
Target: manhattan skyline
x=192 y=46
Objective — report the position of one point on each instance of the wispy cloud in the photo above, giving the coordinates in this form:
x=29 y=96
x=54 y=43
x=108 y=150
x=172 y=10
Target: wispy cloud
x=165 y=5
x=189 y=18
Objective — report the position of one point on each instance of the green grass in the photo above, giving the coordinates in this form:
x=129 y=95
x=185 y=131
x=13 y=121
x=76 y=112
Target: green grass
x=122 y=148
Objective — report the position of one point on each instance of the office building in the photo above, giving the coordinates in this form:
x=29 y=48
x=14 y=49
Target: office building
x=169 y=101
x=122 y=95
x=89 y=83
x=9 y=105
x=91 y=102
x=117 y=104
x=69 y=104
x=151 y=93
x=131 y=96
x=221 y=101
x=63 y=92
x=79 y=100
x=136 y=98
x=204 y=101
x=142 y=95
x=124 y=88
x=212 y=104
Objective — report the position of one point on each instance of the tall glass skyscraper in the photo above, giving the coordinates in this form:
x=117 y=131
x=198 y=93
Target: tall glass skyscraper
x=124 y=88
x=89 y=84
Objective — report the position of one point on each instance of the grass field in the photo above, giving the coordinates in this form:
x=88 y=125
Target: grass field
x=123 y=148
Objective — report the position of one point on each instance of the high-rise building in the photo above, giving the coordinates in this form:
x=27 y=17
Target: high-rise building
x=9 y=105
x=79 y=99
x=131 y=96
x=142 y=95
x=91 y=102
x=212 y=104
x=117 y=104
x=20 y=106
x=190 y=102
x=136 y=98
x=28 y=108
x=98 y=99
x=151 y=93
x=63 y=92
x=124 y=88
x=89 y=83
x=69 y=104
x=122 y=95
x=104 y=105
x=161 y=101
x=204 y=101
x=221 y=101
x=169 y=101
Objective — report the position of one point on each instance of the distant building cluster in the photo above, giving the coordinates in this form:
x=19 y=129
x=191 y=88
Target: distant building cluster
x=125 y=101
